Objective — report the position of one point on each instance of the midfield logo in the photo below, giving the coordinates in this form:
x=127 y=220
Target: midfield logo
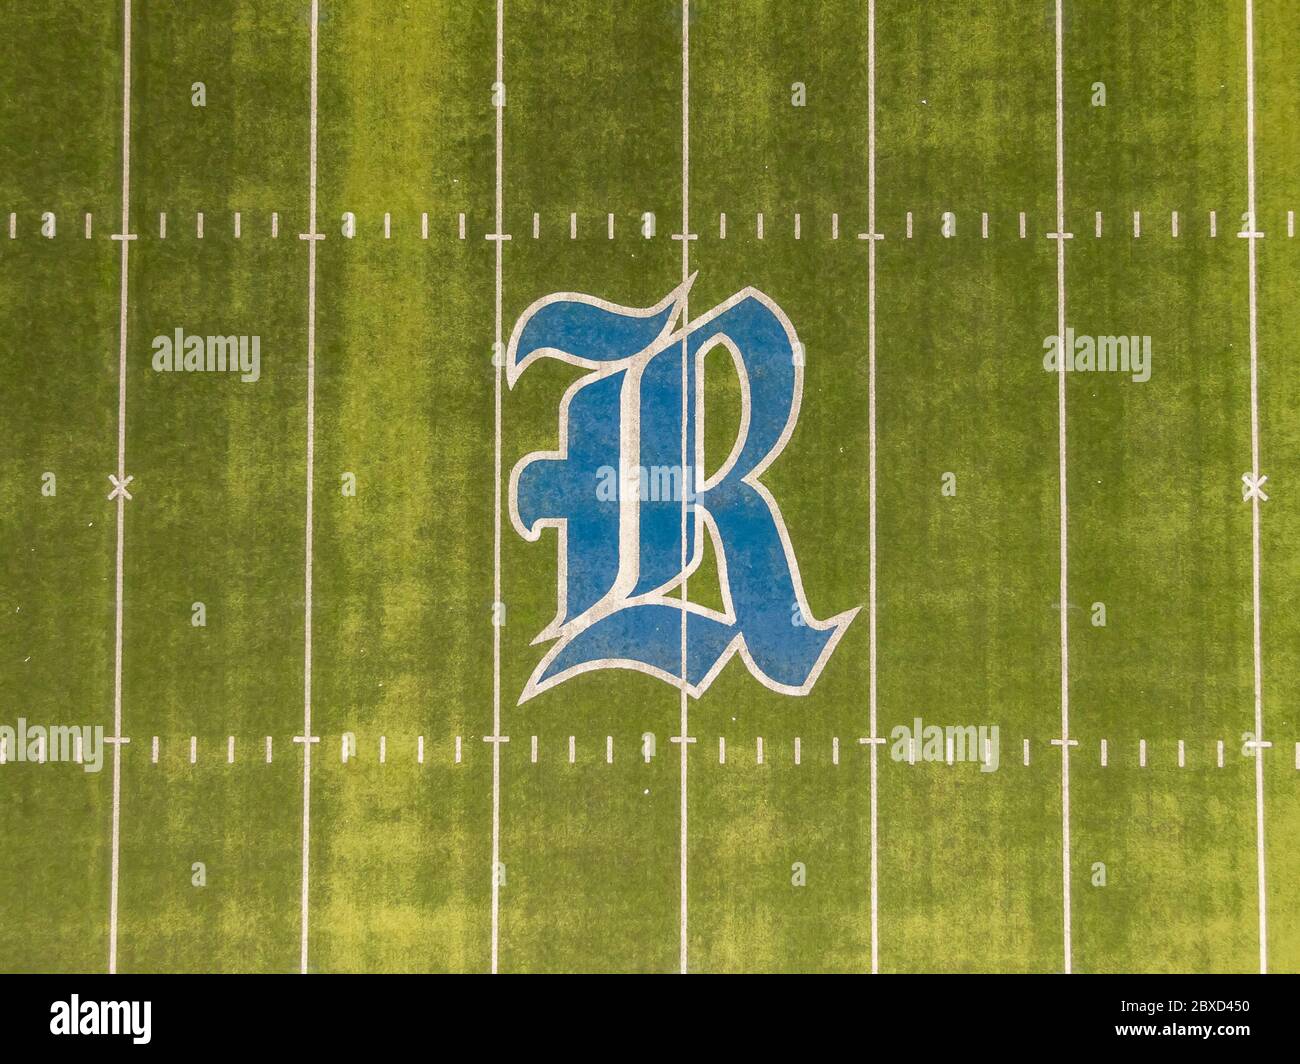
x=627 y=493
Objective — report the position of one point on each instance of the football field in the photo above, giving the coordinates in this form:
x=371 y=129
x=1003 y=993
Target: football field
x=276 y=622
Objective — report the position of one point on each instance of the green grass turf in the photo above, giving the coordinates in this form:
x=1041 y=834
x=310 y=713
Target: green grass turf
x=970 y=874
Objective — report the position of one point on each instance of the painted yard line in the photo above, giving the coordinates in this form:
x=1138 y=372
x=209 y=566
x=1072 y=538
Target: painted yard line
x=685 y=317
x=871 y=475
x=351 y=743
x=1176 y=226
x=499 y=363
x=115 y=860
x=1255 y=500
x=312 y=236
x=1063 y=499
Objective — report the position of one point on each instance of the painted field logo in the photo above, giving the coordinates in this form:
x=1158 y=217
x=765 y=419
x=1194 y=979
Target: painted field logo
x=621 y=549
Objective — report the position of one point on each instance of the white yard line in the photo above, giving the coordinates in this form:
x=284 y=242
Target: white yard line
x=871 y=465
x=1255 y=500
x=124 y=234
x=311 y=465
x=1063 y=500
x=499 y=361
x=686 y=268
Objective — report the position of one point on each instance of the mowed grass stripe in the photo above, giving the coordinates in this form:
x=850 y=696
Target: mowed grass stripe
x=57 y=599
x=592 y=860
x=1161 y=537
x=751 y=824
x=403 y=574
x=58 y=338
x=1277 y=104
x=217 y=516
x=970 y=874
